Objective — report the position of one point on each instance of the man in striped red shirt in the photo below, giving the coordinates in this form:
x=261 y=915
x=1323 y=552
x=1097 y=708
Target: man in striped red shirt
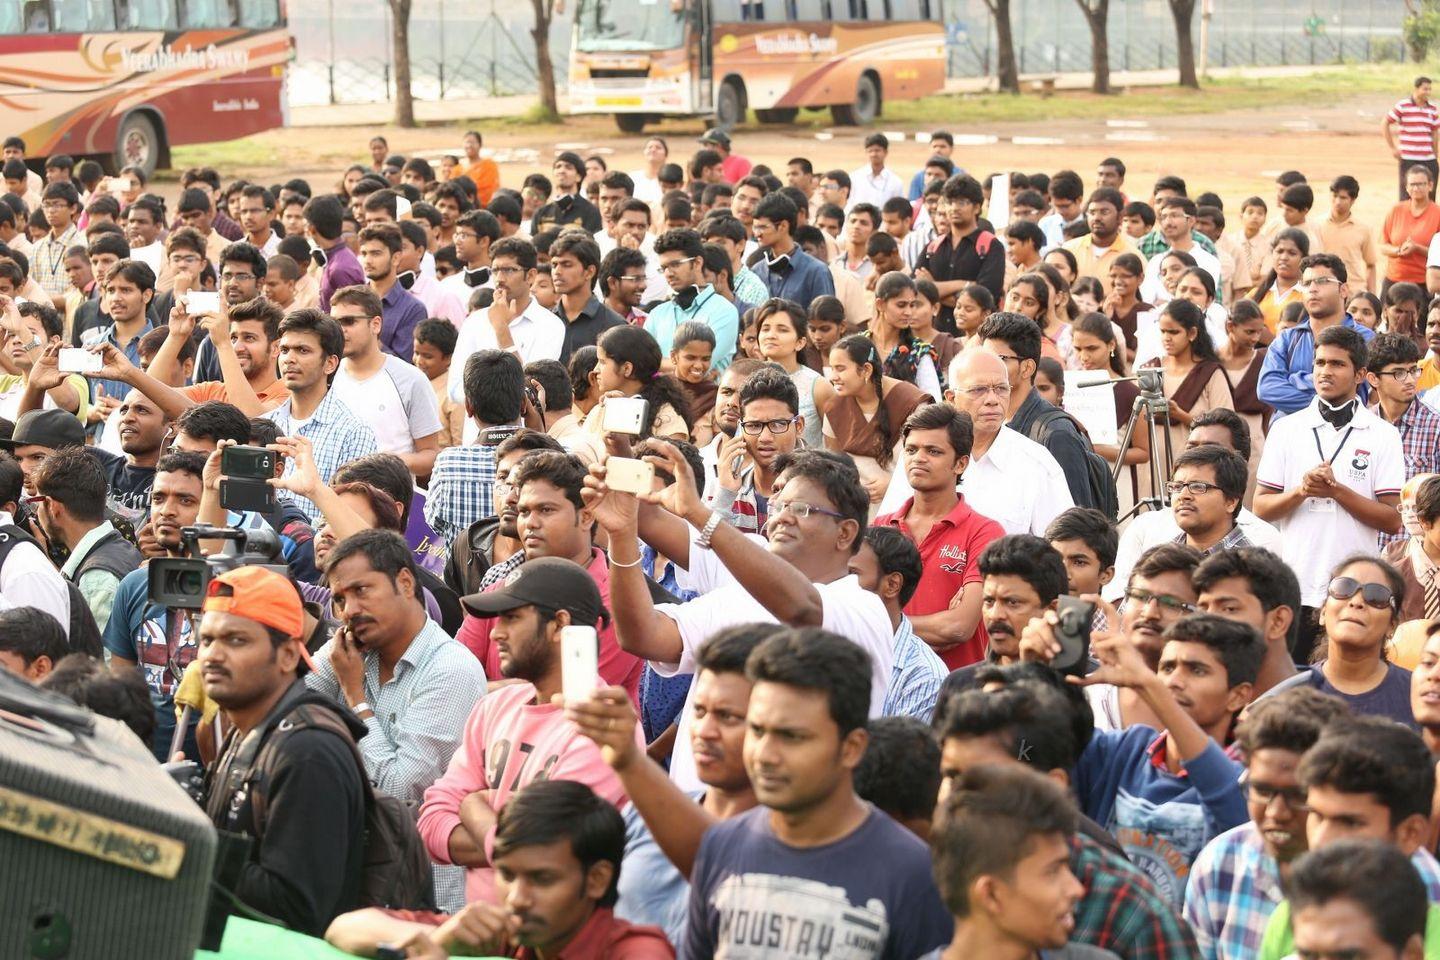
x=1418 y=121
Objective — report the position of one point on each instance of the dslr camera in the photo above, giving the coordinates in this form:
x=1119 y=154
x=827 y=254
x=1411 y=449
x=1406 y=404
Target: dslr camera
x=181 y=582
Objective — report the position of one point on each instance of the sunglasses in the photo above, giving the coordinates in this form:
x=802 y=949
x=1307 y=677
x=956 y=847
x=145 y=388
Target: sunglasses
x=1375 y=595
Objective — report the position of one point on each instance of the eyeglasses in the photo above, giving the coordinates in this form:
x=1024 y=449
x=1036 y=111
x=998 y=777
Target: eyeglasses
x=1320 y=282
x=674 y=265
x=55 y=204
x=466 y=235
x=1173 y=604
x=800 y=509
x=639 y=279
x=1401 y=375
x=978 y=392
x=1195 y=488
x=1263 y=793
x=756 y=427
x=236 y=277
x=1007 y=357
x=1375 y=595
x=175 y=258
x=506 y=271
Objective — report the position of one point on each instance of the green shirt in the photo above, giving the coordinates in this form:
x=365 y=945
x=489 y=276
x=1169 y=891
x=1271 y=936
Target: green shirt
x=1279 y=941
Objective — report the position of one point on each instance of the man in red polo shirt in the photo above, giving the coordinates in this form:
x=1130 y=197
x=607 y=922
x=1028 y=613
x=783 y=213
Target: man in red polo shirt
x=945 y=610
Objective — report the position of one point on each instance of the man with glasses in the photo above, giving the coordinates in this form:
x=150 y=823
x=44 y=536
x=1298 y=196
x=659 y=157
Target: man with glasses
x=242 y=271
x=1010 y=478
x=622 y=280
x=475 y=232
x=257 y=209
x=1393 y=375
x=746 y=461
x=1205 y=491
x=61 y=204
x=1286 y=381
x=681 y=256
x=1331 y=474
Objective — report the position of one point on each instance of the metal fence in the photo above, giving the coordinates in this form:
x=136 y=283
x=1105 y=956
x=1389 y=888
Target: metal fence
x=482 y=48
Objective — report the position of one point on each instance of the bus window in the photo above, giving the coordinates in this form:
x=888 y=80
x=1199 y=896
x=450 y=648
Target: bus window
x=255 y=14
x=859 y=10
x=752 y=9
x=206 y=13
x=827 y=10
x=147 y=15
x=34 y=17
x=925 y=10
x=809 y=10
x=906 y=9
x=792 y=10
x=78 y=16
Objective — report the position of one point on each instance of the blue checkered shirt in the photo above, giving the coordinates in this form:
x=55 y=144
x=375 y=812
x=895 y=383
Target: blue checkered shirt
x=1420 y=443
x=462 y=490
x=915 y=676
x=337 y=437
x=1234 y=887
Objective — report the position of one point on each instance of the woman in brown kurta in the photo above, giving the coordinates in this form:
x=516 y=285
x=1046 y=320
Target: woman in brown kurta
x=869 y=409
x=1194 y=379
x=1098 y=347
x=1242 y=355
x=1124 y=305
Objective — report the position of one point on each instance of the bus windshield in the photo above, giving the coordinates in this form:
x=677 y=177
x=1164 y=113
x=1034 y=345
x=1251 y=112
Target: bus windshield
x=629 y=25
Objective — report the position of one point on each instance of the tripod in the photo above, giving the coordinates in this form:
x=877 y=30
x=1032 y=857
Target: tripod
x=1151 y=403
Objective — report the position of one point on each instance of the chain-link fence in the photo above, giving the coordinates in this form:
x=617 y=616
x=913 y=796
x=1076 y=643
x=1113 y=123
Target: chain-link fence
x=484 y=48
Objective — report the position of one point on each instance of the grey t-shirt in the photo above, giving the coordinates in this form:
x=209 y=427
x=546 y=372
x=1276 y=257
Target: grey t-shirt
x=397 y=403
x=754 y=897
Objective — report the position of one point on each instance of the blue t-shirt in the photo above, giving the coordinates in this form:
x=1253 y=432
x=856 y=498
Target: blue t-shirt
x=137 y=631
x=1391 y=699
x=754 y=897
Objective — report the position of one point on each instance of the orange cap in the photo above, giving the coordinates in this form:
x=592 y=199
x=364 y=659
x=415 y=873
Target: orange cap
x=260 y=595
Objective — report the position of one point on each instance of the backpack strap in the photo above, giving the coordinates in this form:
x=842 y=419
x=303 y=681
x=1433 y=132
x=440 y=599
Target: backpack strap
x=264 y=754
x=983 y=241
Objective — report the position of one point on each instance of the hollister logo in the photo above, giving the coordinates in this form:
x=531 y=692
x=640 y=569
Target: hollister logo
x=953 y=559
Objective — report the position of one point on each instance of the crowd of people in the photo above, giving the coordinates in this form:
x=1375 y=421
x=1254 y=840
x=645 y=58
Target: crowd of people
x=899 y=653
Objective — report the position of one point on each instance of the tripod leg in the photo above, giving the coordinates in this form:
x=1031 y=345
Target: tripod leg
x=1125 y=436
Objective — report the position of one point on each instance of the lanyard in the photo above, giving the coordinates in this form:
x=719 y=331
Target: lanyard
x=1338 y=447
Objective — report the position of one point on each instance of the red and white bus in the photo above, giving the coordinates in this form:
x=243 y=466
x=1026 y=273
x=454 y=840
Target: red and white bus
x=123 y=81
x=644 y=59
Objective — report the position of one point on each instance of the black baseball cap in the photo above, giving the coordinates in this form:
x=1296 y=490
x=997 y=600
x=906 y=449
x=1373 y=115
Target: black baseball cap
x=46 y=428
x=716 y=135
x=573 y=159
x=550 y=582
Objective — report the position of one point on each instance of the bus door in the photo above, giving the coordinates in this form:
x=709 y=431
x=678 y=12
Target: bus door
x=702 y=70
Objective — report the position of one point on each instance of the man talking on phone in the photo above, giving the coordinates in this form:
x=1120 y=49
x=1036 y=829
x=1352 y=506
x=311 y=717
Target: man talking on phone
x=515 y=735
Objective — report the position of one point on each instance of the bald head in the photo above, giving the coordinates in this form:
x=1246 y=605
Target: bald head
x=980 y=386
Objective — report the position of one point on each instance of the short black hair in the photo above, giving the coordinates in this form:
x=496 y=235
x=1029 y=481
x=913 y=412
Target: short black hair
x=1017 y=331
x=1345 y=184
x=1270 y=578
x=1090 y=527
x=777 y=208
x=1373 y=875
x=1388 y=348
x=1290 y=720
x=1238 y=645
x=1166 y=558
x=1031 y=559
x=962 y=186
x=549 y=810
x=556 y=381
x=1170 y=183
x=1025 y=231
x=385 y=472
x=900 y=771
x=527 y=440
x=1230 y=420
x=837 y=475
x=682 y=240
x=1348 y=340
x=385 y=551
x=494 y=384
x=812 y=658
x=1327 y=261
x=563 y=471
x=1374 y=756
x=326 y=216
x=183 y=461
x=1030 y=721
x=440 y=334
x=959 y=428
x=729 y=650
x=896 y=553
x=120 y=696
x=321 y=325
x=72 y=476
x=769 y=383
x=1231 y=470
x=30 y=633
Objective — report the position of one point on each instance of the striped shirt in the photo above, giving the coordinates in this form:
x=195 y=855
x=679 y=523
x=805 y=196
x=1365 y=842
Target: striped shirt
x=916 y=676
x=1417 y=123
x=336 y=436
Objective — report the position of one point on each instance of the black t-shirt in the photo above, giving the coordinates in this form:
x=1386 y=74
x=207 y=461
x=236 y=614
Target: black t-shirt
x=565 y=211
x=129 y=486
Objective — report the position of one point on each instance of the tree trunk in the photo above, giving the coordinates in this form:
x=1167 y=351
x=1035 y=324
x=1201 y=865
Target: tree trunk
x=1097 y=15
x=400 y=41
x=1006 y=71
x=1184 y=13
x=544 y=66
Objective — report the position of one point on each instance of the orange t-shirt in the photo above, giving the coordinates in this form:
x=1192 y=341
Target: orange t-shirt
x=271 y=397
x=1402 y=225
x=486 y=175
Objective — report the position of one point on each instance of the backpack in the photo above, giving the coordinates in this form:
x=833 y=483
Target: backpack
x=1097 y=469
x=396 y=871
x=83 y=631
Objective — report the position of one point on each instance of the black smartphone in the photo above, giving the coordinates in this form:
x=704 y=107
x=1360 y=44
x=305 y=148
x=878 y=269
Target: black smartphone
x=247 y=463
x=1072 y=629
x=247 y=496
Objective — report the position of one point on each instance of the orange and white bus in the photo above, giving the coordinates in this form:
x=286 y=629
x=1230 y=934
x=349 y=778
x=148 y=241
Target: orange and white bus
x=644 y=59
x=123 y=81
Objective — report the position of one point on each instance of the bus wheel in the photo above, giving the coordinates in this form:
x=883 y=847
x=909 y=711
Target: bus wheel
x=138 y=144
x=631 y=122
x=865 y=108
x=729 y=105
x=778 y=115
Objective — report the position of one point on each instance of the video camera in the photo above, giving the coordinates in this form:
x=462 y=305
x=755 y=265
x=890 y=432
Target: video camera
x=181 y=582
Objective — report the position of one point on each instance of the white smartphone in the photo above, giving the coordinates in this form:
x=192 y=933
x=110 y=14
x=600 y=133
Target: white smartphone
x=629 y=476
x=117 y=185
x=579 y=663
x=202 y=301
x=624 y=415
x=76 y=360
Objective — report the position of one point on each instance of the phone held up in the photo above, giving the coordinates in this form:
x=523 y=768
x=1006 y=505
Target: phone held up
x=579 y=663
x=1072 y=630
x=246 y=470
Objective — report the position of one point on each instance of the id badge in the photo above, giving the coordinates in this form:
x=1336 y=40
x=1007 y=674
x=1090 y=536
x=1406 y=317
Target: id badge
x=1321 y=505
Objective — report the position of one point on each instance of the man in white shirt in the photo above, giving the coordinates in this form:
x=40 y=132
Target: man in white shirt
x=515 y=322
x=27 y=577
x=1175 y=221
x=1330 y=476
x=144 y=222
x=1011 y=479
x=1220 y=426
x=875 y=183
x=801 y=578
x=382 y=390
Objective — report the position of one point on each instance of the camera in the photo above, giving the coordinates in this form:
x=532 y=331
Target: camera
x=191 y=777
x=1152 y=381
x=181 y=582
x=1072 y=629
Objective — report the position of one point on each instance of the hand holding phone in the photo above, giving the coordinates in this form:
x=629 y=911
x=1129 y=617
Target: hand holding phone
x=579 y=663
x=79 y=360
x=629 y=476
x=199 y=302
x=1072 y=631
x=624 y=415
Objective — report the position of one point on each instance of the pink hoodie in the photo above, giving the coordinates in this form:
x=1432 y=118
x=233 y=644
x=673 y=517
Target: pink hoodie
x=509 y=742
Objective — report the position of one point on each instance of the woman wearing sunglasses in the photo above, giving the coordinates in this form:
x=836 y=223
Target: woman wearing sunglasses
x=1361 y=610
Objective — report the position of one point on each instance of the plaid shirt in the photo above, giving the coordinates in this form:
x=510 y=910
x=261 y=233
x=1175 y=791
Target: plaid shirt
x=749 y=287
x=47 y=260
x=915 y=676
x=499 y=571
x=1233 y=540
x=336 y=435
x=1420 y=444
x=462 y=485
x=1234 y=888
x=1122 y=911
x=1155 y=243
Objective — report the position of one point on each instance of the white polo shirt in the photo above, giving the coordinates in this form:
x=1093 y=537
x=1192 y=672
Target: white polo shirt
x=1017 y=483
x=538 y=335
x=1366 y=456
x=848 y=609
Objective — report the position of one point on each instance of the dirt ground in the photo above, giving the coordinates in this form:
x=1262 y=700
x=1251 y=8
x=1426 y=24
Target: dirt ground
x=1236 y=154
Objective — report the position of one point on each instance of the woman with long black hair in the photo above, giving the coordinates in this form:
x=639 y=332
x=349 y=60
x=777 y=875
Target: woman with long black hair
x=869 y=408
x=628 y=365
x=1194 y=377
x=1281 y=286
